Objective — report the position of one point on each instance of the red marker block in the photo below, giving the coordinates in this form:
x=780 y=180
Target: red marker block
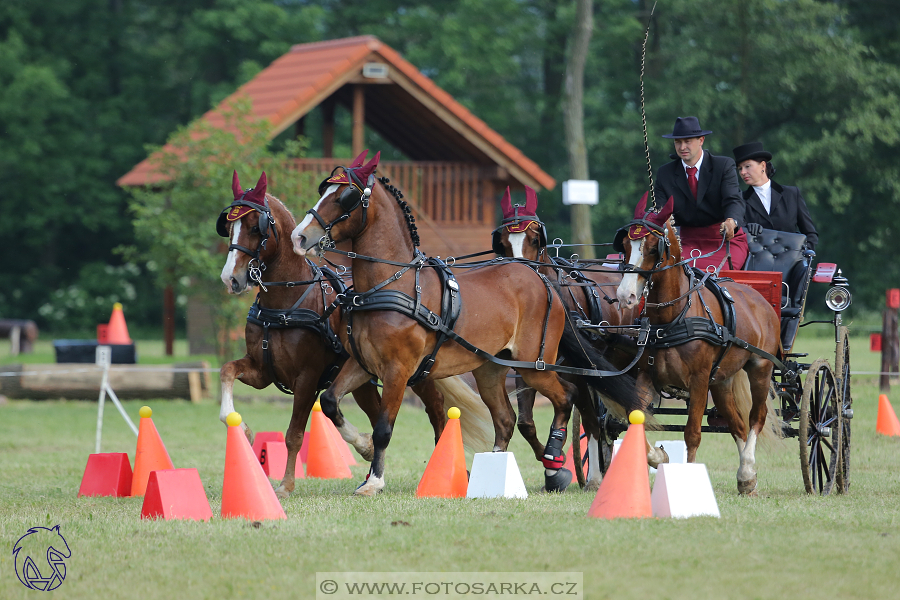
x=107 y=475
x=175 y=494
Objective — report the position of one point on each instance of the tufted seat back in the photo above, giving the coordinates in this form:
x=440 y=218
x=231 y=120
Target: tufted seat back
x=785 y=252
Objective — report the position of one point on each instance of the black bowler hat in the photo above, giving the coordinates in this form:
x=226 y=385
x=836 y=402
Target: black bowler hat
x=753 y=150
x=687 y=127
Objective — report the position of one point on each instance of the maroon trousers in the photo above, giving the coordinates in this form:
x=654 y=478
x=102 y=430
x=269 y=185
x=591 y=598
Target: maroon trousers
x=708 y=239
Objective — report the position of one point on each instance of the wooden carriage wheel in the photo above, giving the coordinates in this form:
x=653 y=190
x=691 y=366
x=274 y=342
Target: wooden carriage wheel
x=820 y=429
x=842 y=372
x=605 y=446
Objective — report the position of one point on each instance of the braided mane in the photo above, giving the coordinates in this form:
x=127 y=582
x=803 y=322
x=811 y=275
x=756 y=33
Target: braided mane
x=404 y=206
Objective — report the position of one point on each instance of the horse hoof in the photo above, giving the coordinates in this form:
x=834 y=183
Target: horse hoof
x=658 y=457
x=593 y=485
x=748 y=488
x=282 y=493
x=559 y=481
x=368 y=451
x=248 y=432
x=366 y=490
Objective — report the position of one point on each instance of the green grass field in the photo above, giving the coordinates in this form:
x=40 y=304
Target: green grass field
x=783 y=544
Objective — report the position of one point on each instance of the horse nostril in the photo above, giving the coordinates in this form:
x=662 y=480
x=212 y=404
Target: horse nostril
x=301 y=241
x=235 y=286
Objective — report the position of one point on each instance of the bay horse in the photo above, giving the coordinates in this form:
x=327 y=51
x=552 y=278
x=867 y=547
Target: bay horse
x=691 y=347
x=402 y=303
x=523 y=235
x=289 y=343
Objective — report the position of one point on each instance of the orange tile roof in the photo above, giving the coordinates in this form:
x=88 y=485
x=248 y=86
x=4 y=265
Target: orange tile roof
x=298 y=81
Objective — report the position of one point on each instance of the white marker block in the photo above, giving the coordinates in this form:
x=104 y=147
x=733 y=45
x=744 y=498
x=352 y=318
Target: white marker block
x=495 y=475
x=683 y=490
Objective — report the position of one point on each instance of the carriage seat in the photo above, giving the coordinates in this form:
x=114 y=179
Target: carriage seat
x=785 y=252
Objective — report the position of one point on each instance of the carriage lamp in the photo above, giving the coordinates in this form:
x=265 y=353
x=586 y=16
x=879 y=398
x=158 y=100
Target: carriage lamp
x=838 y=298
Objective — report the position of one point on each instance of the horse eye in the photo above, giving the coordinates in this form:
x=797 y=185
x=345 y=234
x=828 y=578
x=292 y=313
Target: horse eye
x=254 y=229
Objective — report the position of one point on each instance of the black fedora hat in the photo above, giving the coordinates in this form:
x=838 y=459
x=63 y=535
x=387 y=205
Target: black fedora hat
x=687 y=127
x=753 y=150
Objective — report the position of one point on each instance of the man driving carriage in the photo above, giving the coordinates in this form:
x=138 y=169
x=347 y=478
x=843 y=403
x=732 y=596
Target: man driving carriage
x=708 y=201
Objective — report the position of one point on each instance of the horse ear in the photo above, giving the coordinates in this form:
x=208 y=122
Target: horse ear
x=370 y=166
x=530 y=201
x=358 y=161
x=506 y=204
x=258 y=194
x=236 y=186
x=641 y=209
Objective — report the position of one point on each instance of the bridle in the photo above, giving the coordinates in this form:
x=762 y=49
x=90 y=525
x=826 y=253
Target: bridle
x=353 y=196
x=516 y=220
x=267 y=223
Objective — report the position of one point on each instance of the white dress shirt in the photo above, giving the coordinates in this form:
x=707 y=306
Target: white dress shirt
x=699 y=162
x=764 y=192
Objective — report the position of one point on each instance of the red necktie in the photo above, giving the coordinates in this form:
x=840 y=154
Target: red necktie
x=692 y=180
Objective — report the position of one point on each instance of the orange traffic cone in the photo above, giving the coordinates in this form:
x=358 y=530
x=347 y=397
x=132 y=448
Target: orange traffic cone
x=117 y=330
x=445 y=476
x=150 y=455
x=246 y=491
x=887 y=423
x=625 y=490
x=346 y=454
x=324 y=459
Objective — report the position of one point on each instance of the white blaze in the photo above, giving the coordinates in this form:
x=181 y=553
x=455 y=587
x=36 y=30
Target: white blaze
x=517 y=241
x=228 y=269
x=309 y=218
x=629 y=285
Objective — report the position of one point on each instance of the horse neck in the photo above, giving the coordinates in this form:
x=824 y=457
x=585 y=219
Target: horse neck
x=283 y=264
x=385 y=236
x=667 y=285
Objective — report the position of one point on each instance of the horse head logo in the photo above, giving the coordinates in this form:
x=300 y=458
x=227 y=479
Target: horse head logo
x=39 y=557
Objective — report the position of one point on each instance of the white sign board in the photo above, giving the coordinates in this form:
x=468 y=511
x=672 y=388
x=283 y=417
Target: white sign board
x=580 y=191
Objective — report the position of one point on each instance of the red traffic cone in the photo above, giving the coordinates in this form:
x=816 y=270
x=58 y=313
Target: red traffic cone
x=625 y=489
x=887 y=423
x=445 y=476
x=324 y=459
x=150 y=455
x=117 y=330
x=246 y=491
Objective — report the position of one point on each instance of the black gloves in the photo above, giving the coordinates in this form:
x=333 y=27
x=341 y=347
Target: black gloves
x=753 y=229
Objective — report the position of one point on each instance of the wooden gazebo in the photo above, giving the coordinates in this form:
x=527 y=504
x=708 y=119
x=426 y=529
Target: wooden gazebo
x=457 y=166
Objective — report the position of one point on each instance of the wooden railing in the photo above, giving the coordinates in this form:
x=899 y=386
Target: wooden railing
x=445 y=192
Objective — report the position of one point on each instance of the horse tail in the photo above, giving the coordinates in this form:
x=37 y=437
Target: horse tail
x=619 y=393
x=740 y=388
x=475 y=419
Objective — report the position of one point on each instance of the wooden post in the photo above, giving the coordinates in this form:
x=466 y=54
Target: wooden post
x=359 y=119
x=169 y=319
x=890 y=349
x=328 y=128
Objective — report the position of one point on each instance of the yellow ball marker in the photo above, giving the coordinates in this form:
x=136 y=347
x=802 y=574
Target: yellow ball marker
x=317 y=407
x=636 y=417
x=453 y=413
x=233 y=419
x=146 y=412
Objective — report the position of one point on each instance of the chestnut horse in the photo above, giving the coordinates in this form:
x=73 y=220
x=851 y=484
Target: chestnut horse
x=306 y=355
x=505 y=309
x=522 y=235
x=741 y=383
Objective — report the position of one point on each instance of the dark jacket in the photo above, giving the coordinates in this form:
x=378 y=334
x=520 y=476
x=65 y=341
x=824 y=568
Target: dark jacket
x=718 y=194
x=789 y=212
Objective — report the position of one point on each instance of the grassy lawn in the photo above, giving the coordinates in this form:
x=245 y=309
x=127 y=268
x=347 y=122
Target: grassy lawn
x=781 y=544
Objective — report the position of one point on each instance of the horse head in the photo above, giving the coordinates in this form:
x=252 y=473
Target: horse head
x=252 y=227
x=649 y=243
x=521 y=233
x=343 y=209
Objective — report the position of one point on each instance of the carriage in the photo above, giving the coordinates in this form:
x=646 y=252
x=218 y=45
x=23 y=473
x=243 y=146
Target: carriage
x=814 y=398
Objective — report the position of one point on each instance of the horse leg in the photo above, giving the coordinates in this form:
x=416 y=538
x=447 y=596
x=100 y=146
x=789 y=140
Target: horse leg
x=723 y=395
x=561 y=394
x=699 y=389
x=491 y=380
x=656 y=455
x=391 y=399
x=525 y=422
x=587 y=405
x=759 y=374
x=248 y=372
x=304 y=397
x=353 y=378
x=433 y=400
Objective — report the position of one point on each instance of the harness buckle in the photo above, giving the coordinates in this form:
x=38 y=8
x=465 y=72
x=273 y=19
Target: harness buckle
x=265 y=344
x=540 y=365
x=650 y=360
x=644 y=333
x=433 y=319
x=355 y=299
x=349 y=329
x=453 y=285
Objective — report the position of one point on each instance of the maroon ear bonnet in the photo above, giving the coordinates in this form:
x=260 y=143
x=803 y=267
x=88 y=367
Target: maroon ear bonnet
x=361 y=171
x=257 y=195
x=637 y=231
x=510 y=213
